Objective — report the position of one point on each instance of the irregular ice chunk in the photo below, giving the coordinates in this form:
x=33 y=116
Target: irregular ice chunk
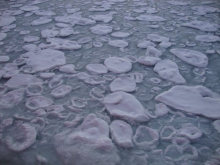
x=6 y=20
x=2 y=36
x=177 y=3
x=47 y=75
x=94 y=80
x=49 y=33
x=202 y=25
x=101 y=29
x=123 y=83
x=104 y=18
x=61 y=91
x=192 y=100
x=63 y=44
x=157 y=38
x=21 y=138
x=146 y=138
x=153 y=52
x=45 y=59
x=22 y=80
x=121 y=133
x=40 y=21
x=11 y=99
x=29 y=8
x=190 y=131
x=120 y=34
x=165 y=44
x=97 y=68
x=167 y=133
x=154 y=18
x=118 y=43
x=89 y=145
x=4 y=59
x=37 y=102
x=31 y=38
x=147 y=60
x=118 y=64
x=64 y=32
x=207 y=38
x=161 y=109
x=169 y=70
x=56 y=81
x=125 y=106
x=192 y=57
x=69 y=68
x=44 y=13
x=205 y=9
x=145 y=44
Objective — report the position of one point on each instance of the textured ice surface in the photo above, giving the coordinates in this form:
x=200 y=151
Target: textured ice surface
x=45 y=59
x=118 y=64
x=123 y=83
x=125 y=106
x=89 y=144
x=121 y=133
x=82 y=77
x=198 y=100
x=192 y=57
x=169 y=70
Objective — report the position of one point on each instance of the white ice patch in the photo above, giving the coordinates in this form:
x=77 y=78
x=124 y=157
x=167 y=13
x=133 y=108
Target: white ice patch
x=157 y=38
x=101 y=29
x=21 y=138
x=177 y=3
x=44 y=13
x=149 y=61
x=192 y=100
x=118 y=64
x=65 y=32
x=169 y=70
x=88 y=144
x=6 y=20
x=121 y=133
x=97 y=68
x=202 y=25
x=104 y=18
x=150 y=18
x=123 y=83
x=192 y=57
x=62 y=44
x=29 y=8
x=205 y=9
x=161 y=110
x=69 y=68
x=120 y=34
x=153 y=52
x=41 y=21
x=4 y=59
x=207 y=38
x=118 y=43
x=125 y=106
x=145 y=44
x=45 y=59
x=49 y=33
x=22 y=80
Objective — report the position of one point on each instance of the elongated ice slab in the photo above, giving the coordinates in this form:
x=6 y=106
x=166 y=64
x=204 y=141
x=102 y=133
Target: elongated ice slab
x=192 y=57
x=192 y=100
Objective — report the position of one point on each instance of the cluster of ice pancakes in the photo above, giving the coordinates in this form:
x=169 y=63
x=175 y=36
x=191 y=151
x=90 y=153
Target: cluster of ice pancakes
x=113 y=82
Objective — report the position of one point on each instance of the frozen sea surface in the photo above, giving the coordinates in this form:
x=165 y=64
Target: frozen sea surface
x=109 y=82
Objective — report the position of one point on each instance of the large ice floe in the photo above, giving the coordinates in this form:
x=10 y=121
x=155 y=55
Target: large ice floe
x=197 y=100
x=88 y=144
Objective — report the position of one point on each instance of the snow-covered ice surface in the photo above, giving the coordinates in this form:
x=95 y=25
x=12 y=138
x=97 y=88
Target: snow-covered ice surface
x=109 y=82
